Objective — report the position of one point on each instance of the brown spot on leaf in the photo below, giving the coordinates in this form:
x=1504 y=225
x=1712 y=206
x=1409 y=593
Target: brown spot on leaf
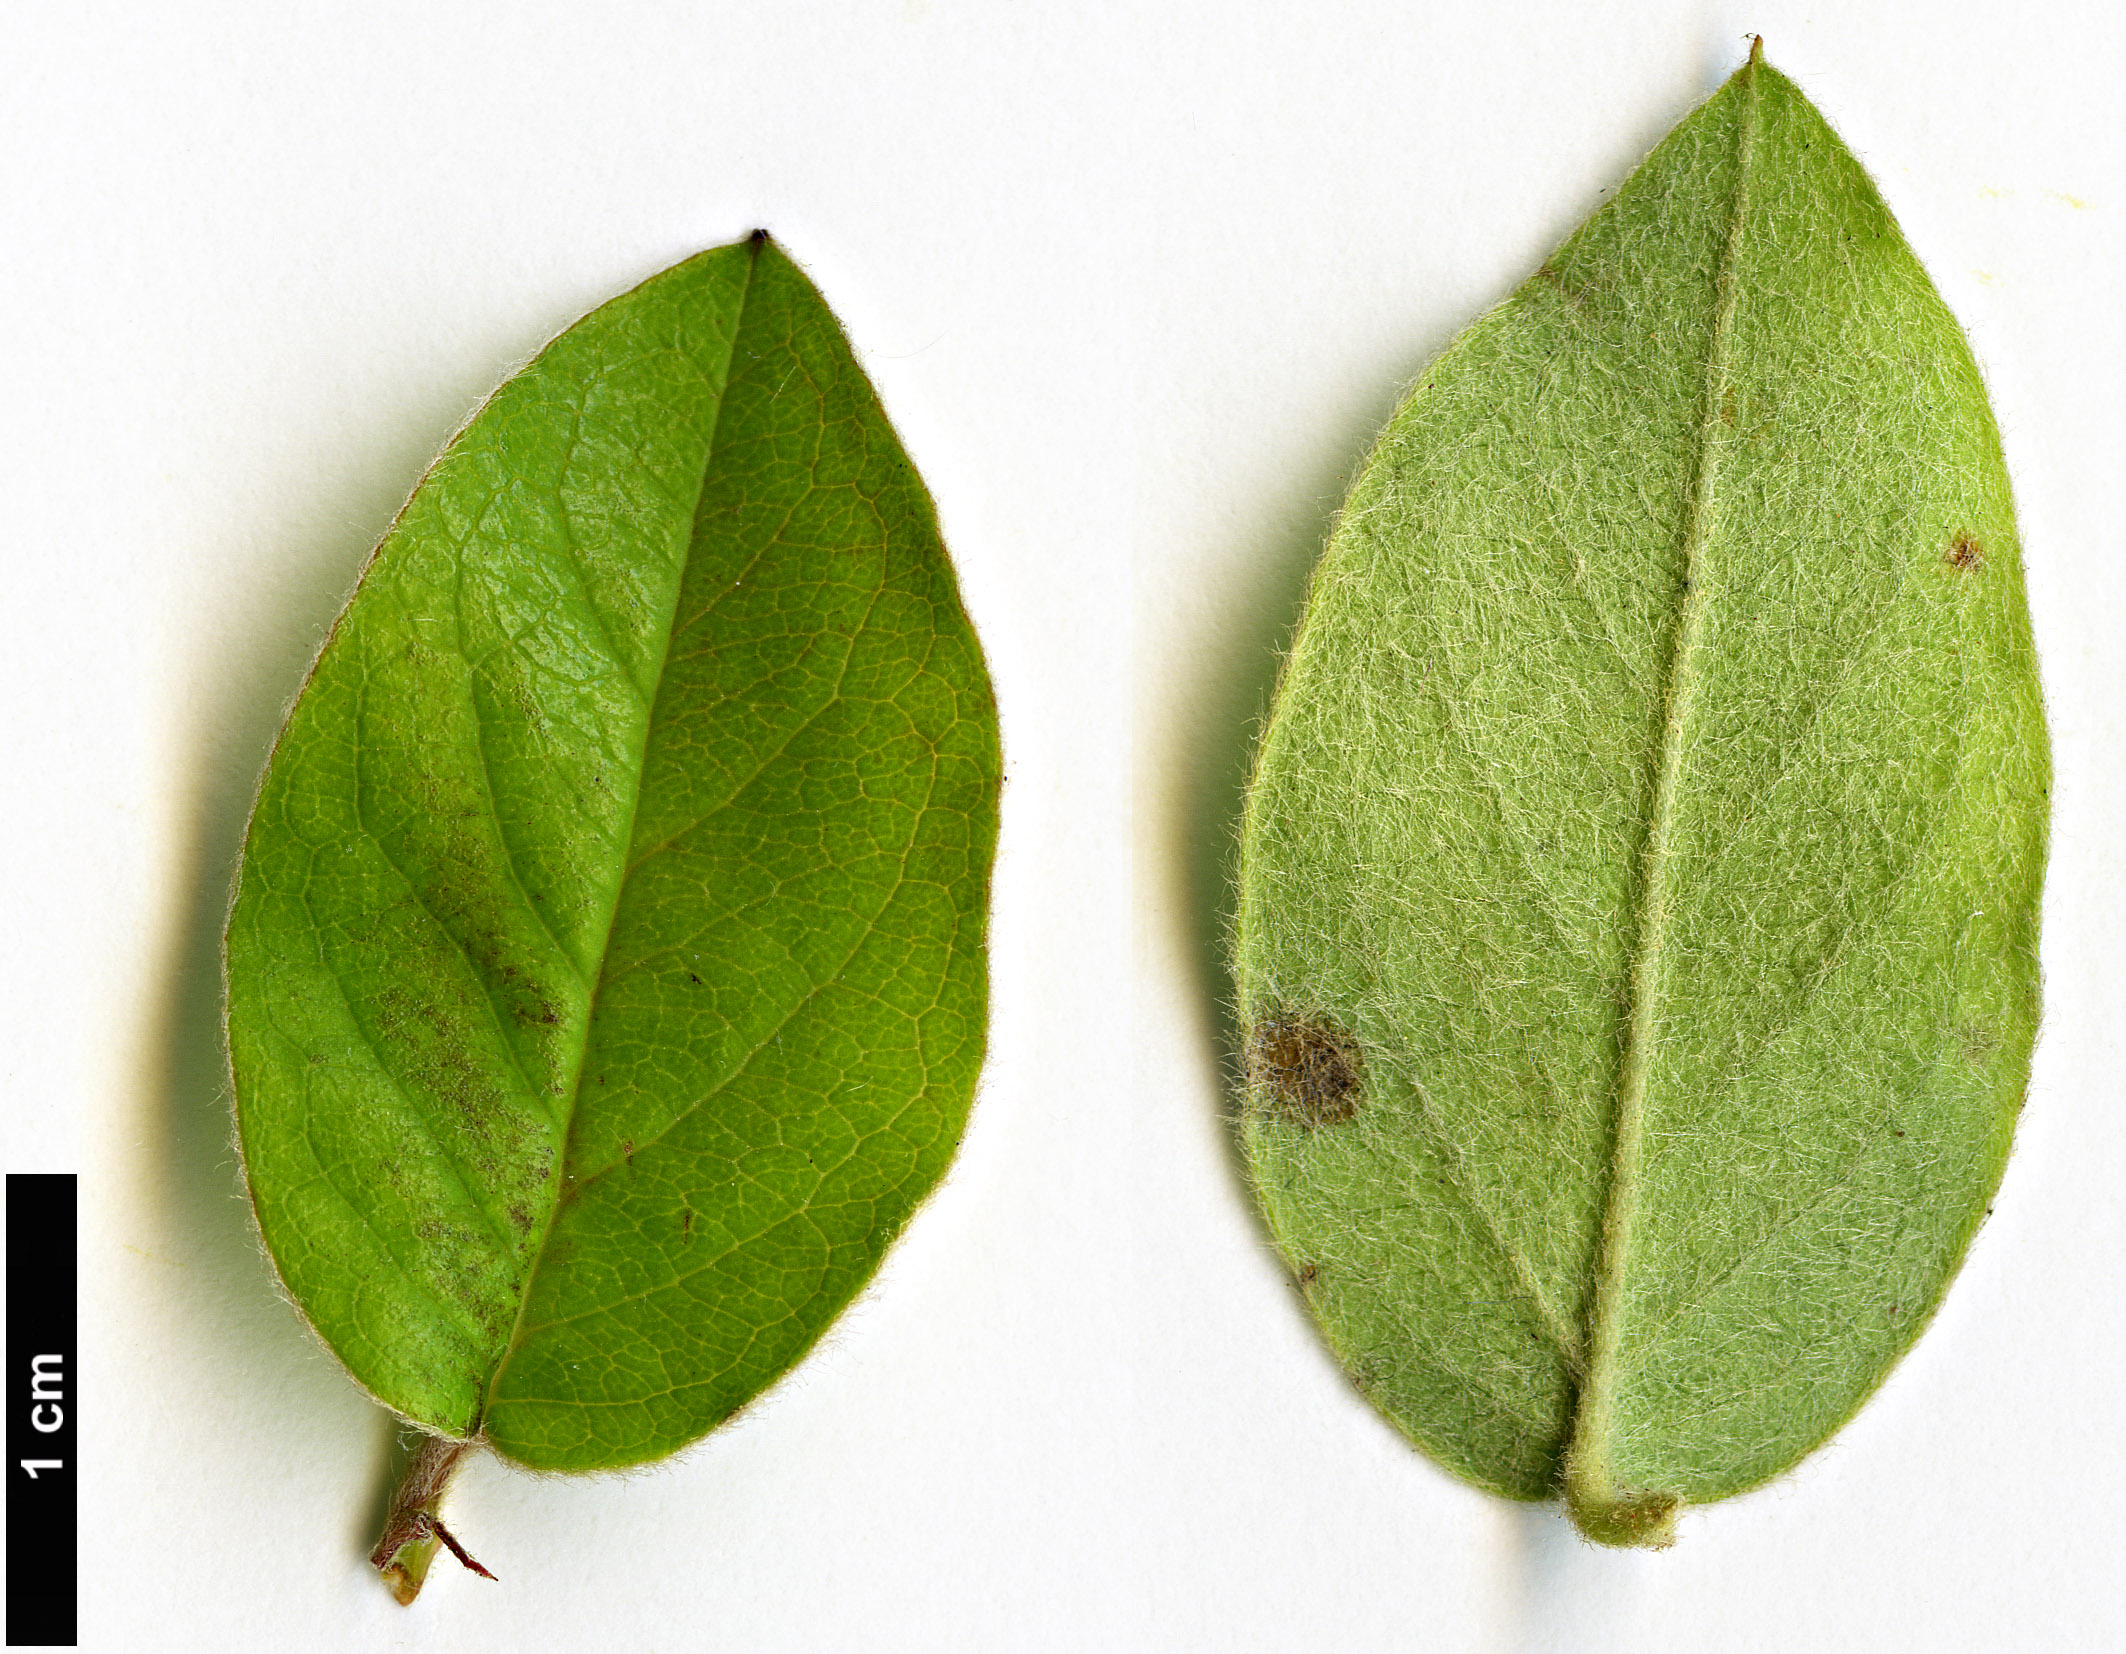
x=1307 y=1068
x=1307 y=1272
x=1965 y=553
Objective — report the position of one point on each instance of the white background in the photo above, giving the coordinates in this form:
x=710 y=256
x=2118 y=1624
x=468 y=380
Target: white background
x=1138 y=285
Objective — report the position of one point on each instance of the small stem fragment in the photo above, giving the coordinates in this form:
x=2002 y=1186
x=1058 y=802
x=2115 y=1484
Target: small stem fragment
x=408 y=1543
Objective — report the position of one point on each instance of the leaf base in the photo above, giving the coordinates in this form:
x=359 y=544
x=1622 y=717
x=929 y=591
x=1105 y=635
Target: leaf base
x=1643 y=1521
x=415 y=1528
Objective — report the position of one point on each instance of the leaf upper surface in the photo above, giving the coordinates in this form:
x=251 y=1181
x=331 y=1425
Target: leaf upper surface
x=1656 y=796
x=606 y=977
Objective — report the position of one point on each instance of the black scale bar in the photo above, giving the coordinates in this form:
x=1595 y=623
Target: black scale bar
x=41 y=1381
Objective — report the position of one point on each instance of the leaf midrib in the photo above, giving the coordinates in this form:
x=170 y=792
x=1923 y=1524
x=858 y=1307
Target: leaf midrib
x=1588 y=1472
x=625 y=839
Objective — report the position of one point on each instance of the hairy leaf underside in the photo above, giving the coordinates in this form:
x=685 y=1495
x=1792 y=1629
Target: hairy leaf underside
x=606 y=977
x=1653 y=813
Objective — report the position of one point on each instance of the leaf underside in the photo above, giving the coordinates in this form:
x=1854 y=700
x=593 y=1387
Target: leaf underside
x=1654 y=806
x=606 y=974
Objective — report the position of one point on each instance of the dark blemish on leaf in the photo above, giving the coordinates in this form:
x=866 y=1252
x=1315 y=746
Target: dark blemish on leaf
x=691 y=977
x=627 y=1149
x=445 y=1072
x=520 y=1219
x=1307 y=1272
x=459 y=1262
x=758 y=238
x=1306 y=1068
x=1897 y=1134
x=686 y=1223
x=456 y=894
x=1573 y=292
x=1965 y=553
x=512 y=683
x=438 y=1060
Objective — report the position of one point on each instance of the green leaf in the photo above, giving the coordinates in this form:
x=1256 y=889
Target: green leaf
x=606 y=976
x=1637 y=937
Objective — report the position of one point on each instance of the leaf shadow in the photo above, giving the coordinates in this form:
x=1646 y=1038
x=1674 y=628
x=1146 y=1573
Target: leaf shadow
x=1228 y=713
x=397 y=1443
x=1553 y=1579
x=189 y=1167
x=1208 y=749
x=255 y=655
